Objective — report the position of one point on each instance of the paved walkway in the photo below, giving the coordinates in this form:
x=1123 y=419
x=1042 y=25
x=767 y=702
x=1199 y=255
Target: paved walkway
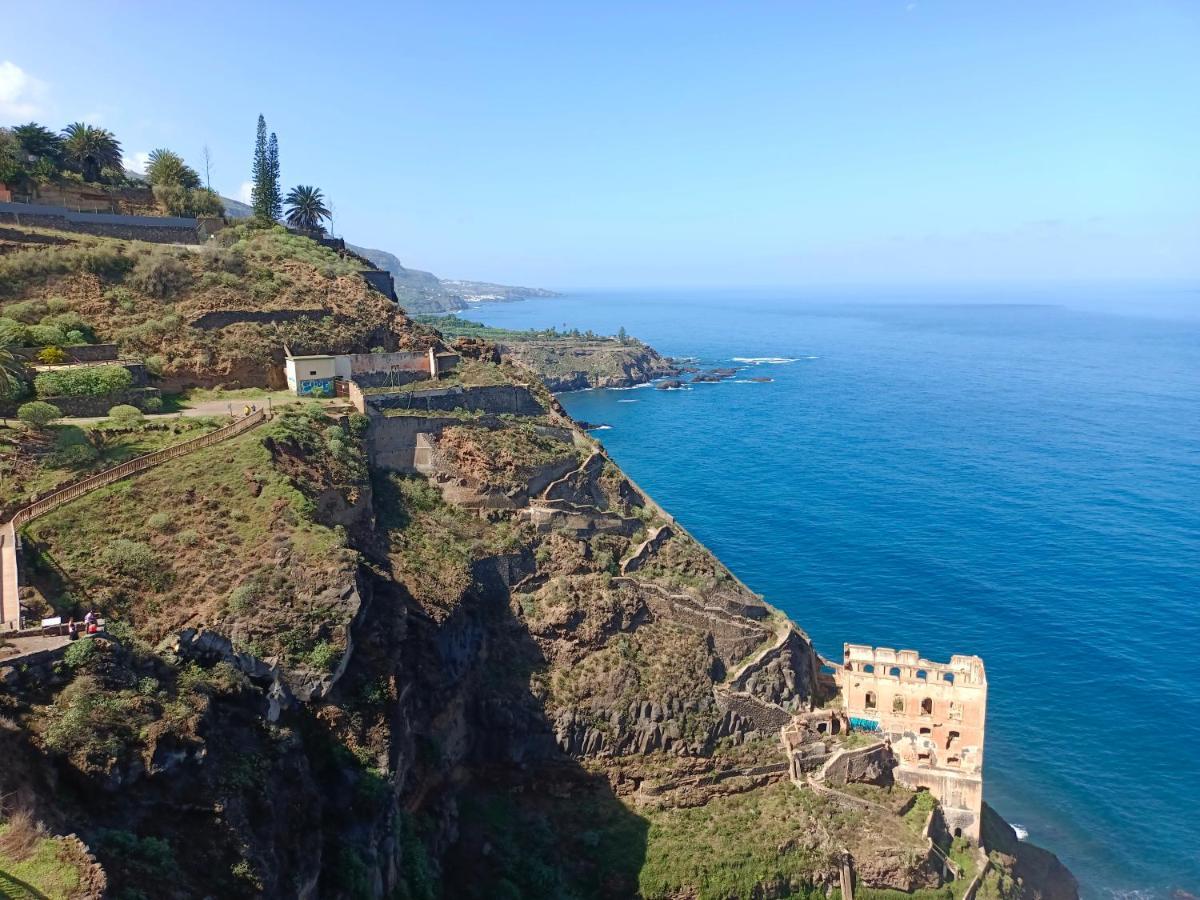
x=201 y=409
x=18 y=648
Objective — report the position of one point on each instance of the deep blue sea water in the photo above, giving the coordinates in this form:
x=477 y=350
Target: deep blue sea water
x=1014 y=474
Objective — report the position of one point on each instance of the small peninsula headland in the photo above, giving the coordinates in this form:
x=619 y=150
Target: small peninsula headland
x=566 y=360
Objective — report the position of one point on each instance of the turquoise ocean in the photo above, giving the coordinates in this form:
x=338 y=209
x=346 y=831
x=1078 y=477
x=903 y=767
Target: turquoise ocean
x=1013 y=473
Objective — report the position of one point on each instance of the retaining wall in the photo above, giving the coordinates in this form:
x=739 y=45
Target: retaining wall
x=514 y=399
x=99 y=406
x=213 y=320
x=156 y=229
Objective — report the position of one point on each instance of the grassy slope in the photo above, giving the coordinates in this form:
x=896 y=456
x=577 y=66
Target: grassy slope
x=43 y=874
x=33 y=464
x=220 y=535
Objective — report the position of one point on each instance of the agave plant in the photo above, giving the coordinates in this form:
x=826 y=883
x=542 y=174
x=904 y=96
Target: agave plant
x=90 y=149
x=306 y=208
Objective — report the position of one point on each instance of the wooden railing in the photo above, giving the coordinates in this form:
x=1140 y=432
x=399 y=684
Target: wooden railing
x=141 y=463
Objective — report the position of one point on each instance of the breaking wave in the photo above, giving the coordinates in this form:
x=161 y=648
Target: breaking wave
x=1021 y=831
x=767 y=360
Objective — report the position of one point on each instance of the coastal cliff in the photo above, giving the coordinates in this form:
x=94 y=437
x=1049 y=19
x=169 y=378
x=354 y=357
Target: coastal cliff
x=493 y=668
x=567 y=360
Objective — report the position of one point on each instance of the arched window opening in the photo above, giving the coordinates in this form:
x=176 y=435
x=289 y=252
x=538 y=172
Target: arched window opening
x=927 y=706
x=870 y=704
x=958 y=832
x=949 y=676
x=894 y=671
x=869 y=668
x=952 y=739
x=898 y=704
x=921 y=673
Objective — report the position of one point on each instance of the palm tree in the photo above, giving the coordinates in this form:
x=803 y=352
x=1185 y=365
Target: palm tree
x=306 y=208
x=167 y=167
x=91 y=149
x=12 y=376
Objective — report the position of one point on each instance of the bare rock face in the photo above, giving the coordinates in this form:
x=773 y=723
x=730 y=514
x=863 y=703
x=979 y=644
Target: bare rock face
x=1039 y=874
x=785 y=675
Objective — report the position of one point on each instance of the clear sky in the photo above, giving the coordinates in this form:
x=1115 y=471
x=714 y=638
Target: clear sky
x=676 y=144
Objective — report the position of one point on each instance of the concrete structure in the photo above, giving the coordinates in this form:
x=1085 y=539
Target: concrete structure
x=306 y=374
x=934 y=715
x=366 y=370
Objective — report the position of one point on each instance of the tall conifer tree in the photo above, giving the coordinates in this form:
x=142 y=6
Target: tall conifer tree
x=260 y=196
x=276 y=195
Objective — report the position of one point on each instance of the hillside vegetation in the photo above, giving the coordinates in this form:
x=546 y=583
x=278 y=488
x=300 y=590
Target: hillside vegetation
x=217 y=314
x=508 y=676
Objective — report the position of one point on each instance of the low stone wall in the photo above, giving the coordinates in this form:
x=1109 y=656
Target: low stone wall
x=99 y=406
x=514 y=399
x=213 y=320
x=155 y=229
x=867 y=765
x=76 y=353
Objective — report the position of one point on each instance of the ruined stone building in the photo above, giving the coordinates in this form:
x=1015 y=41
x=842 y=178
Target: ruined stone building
x=933 y=714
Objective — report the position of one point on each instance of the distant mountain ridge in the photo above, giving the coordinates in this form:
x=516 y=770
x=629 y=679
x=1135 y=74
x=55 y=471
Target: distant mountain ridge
x=423 y=292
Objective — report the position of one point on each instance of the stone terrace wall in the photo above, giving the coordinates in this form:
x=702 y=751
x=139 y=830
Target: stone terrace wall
x=156 y=229
x=214 y=320
x=99 y=406
x=514 y=399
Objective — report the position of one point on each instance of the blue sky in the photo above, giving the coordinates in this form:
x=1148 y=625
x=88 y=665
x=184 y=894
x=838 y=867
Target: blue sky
x=674 y=144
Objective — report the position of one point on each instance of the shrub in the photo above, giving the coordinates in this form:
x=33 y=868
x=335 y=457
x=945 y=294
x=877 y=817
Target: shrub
x=173 y=198
x=13 y=333
x=160 y=274
x=155 y=365
x=136 y=560
x=51 y=356
x=323 y=656
x=80 y=653
x=75 y=457
x=85 y=381
x=69 y=323
x=215 y=258
x=152 y=404
x=18 y=269
x=22 y=835
x=28 y=311
x=161 y=521
x=45 y=335
x=124 y=414
x=120 y=297
x=38 y=414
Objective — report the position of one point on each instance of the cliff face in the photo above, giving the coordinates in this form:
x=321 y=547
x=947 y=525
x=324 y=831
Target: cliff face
x=566 y=365
x=512 y=675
